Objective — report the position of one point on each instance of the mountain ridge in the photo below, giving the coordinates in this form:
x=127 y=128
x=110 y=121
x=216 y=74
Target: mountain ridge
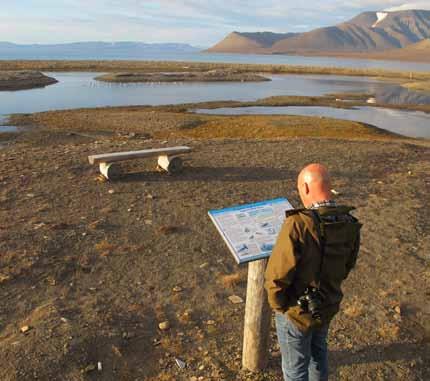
x=366 y=32
x=113 y=44
x=96 y=49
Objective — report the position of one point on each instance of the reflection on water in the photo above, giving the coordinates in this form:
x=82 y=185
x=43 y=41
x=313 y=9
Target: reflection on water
x=384 y=92
x=400 y=95
x=409 y=123
x=76 y=90
x=8 y=129
x=3 y=128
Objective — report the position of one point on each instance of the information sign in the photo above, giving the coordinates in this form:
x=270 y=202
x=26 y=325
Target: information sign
x=251 y=230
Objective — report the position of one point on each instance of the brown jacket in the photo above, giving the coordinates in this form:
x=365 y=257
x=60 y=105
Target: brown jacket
x=296 y=259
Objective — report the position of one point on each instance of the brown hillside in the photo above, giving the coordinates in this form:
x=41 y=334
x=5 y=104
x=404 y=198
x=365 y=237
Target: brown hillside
x=349 y=37
x=369 y=31
x=237 y=42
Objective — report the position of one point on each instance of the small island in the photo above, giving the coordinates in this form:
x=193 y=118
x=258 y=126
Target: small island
x=23 y=80
x=195 y=76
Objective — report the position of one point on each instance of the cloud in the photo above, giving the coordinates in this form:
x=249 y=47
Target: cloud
x=193 y=21
x=425 y=4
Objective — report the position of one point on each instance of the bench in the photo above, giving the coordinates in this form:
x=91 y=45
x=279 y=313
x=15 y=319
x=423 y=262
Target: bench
x=168 y=160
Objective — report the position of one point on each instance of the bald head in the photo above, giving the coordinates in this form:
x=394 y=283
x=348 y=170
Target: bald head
x=313 y=184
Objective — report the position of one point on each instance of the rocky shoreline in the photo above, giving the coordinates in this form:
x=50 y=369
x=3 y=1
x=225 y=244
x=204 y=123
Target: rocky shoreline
x=23 y=80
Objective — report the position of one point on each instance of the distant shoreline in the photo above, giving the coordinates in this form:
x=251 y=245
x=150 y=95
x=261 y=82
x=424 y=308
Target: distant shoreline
x=392 y=55
x=375 y=56
x=109 y=66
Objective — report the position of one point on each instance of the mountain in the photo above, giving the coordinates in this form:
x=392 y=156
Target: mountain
x=368 y=32
x=258 y=42
x=90 y=49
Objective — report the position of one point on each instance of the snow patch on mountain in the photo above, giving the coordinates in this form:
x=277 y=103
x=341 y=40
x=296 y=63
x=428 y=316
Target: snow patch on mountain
x=381 y=16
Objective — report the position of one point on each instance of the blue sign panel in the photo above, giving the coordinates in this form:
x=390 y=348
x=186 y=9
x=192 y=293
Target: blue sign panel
x=250 y=231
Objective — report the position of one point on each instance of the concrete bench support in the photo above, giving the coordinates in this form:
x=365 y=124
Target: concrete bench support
x=171 y=164
x=111 y=171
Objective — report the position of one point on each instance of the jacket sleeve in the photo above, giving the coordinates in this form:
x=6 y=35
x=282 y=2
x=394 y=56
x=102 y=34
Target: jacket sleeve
x=281 y=266
x=353 y=258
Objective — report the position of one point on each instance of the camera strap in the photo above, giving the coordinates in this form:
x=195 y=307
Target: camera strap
x=320 y=232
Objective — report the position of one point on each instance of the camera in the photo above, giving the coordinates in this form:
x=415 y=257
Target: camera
x=311 y=301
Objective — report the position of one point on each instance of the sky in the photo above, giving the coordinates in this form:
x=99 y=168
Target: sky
x=200 y=23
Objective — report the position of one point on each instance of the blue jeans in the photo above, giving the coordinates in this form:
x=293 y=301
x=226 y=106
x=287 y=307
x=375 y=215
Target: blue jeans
x=304 y=355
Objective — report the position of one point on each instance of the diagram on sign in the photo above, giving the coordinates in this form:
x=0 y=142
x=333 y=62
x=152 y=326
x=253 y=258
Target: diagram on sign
x=251 y=230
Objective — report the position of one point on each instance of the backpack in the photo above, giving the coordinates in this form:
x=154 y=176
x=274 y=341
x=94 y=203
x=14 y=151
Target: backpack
x=339 y=239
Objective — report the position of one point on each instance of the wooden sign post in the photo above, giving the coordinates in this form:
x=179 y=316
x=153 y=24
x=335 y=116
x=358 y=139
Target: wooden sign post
x=238 y=226
x=257 y=319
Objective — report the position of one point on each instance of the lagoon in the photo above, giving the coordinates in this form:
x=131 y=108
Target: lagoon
x=80 y=90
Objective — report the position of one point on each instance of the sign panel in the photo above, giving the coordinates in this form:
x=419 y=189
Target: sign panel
x=251 y=230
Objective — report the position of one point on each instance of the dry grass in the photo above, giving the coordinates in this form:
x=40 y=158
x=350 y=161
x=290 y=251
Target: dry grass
x=389 y=331
x=163 y=376
x=169 y=229
x=354 y=309
x=423 y=86
x=167 y=122
x=278 y=127
x=104 y=245
x=231 y=280
x=104 y=248
x=96 y=224
x=185 y=317
x=352 y=96
x=198 y=76
x=171 y=344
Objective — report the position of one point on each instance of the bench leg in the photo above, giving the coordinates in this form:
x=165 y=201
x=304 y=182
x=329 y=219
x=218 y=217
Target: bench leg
x=171 y=164
x=111 y=171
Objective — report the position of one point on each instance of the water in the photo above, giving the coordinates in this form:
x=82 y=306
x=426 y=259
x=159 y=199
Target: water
x=233 y=58
x=8 y=129
x=4 y=128
x=78 y=90
x=408 y=123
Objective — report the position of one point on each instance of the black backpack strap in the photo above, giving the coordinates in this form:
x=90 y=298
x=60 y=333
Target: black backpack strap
x=320 y=231
x=292 y=212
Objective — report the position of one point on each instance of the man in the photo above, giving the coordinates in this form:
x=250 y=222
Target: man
x=315 y=251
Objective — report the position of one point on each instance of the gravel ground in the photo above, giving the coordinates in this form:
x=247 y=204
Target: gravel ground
x=88 y=269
